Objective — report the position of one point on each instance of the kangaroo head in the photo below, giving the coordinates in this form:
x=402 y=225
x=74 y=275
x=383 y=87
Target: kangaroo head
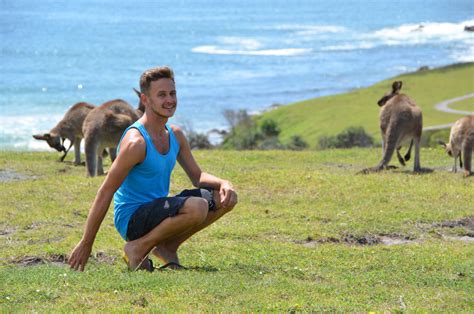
x=54 y=141
x=447 y=148
x=141 y=106
x=396 y=87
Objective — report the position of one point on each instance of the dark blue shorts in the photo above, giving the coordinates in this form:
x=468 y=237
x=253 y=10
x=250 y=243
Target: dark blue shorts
x=150 y=215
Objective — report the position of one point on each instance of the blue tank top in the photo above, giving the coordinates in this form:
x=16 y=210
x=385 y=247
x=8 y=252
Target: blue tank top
x=146 y=181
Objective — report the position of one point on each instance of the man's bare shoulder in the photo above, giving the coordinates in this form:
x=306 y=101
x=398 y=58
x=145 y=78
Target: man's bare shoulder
x=176 y=129
x=133 y=143
x=178 y=132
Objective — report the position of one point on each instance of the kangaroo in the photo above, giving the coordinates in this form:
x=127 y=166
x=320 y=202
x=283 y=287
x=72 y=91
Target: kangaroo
x=461 y=142
x=400 y=119
x=70 y=127
x=103 y=128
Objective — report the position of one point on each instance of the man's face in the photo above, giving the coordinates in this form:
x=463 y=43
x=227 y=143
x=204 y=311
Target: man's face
x=162 y=98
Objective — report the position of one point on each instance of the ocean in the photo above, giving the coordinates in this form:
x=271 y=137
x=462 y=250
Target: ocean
x=225 y=54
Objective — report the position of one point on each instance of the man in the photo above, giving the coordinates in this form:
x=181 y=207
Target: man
x=140 y=175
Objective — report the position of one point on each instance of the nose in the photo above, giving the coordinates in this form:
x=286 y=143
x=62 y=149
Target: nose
x=171 y=99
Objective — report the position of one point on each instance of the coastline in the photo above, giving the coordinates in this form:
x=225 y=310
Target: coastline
x=215 y=135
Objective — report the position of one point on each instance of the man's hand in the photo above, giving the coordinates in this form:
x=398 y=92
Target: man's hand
x=228 y=195
x=79 y=256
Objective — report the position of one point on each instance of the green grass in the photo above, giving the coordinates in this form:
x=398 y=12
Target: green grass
x=282 y=249
x=330 y=115
x=466 y=105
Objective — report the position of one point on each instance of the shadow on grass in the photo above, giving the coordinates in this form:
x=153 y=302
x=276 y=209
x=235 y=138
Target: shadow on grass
x=204 y=269
x=394 y=169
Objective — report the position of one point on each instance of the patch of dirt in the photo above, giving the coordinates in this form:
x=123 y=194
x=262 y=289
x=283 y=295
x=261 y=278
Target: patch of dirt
x=395 y=241
x=467 y=223
x=7 y=175
x=55 y=259
x=59 y=259
x=102 y=257
x=358 y=240
x=459 y=238
x=6 y=230
x=361 y=240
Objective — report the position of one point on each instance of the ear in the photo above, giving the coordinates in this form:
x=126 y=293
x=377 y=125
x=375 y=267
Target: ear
x=137 y=92
x=396 y=87
x=143 y=99
x=382 y=101
x=440 y=142
x=43 y=137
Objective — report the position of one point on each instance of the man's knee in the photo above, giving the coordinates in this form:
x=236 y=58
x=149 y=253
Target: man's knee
x=196 y=208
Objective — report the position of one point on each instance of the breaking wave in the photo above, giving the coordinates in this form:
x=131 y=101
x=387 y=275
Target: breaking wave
x=215 y=50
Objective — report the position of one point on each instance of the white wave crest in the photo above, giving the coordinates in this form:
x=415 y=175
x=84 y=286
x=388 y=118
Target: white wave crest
x=19 y=130
x=214 y=50
x=348 y=47
x=246 y=43
x=423 y=32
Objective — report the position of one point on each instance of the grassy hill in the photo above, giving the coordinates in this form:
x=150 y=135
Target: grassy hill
x=330 y=115
x=307 y=235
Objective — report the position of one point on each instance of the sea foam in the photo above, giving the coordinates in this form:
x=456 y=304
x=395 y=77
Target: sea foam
x=423 y=32
x=215 y=50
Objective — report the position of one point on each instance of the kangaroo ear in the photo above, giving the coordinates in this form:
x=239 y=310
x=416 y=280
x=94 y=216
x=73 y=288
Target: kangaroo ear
x=137 y=92
x=396 y=87
x=43 y=137
x=440 y=142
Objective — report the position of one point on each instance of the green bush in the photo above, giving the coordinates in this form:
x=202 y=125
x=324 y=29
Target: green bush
x=198 y=140
x=246 y=134
x=270 y=128
x=243 y=133
x=350 y=137
x=297 y=143
x=430 y=138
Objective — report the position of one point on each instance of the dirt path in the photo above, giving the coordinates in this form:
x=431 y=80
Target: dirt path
x=443 y=106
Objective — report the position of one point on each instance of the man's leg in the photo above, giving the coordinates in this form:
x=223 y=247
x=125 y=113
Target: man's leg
x=192 y=214
x=167 y=250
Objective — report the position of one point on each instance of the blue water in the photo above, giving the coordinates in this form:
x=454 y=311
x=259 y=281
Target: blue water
x=226 y=54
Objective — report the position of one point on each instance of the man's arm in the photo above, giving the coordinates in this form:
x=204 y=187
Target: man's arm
x=132 y=151
x=199 y=178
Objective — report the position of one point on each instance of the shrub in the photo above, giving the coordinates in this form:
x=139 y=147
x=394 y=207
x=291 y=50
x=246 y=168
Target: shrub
x=243 y=133
x=350 y=137
x=297 y=143
x=270 y=144
x=431 y=138
x=198 y=140
x=269 y=128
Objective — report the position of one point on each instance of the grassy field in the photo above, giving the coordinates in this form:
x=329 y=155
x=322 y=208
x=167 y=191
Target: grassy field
x=308 y=235
x=466 y=104
x=330 y=115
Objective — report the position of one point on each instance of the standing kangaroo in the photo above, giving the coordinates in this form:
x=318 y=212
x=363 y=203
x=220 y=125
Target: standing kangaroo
x=461 y=142
x=400 y=120
x=70 y=127
x=103 y=128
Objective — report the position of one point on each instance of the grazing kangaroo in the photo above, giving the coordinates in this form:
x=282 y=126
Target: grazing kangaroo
x=461 y=142
x=70 y=127
x=400 y=119
x=103 y=128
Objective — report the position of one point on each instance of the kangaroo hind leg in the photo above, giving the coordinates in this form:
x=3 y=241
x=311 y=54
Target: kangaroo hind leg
x=399 y=156
x=417 y=166
x=408 y=154
x=467 y=152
